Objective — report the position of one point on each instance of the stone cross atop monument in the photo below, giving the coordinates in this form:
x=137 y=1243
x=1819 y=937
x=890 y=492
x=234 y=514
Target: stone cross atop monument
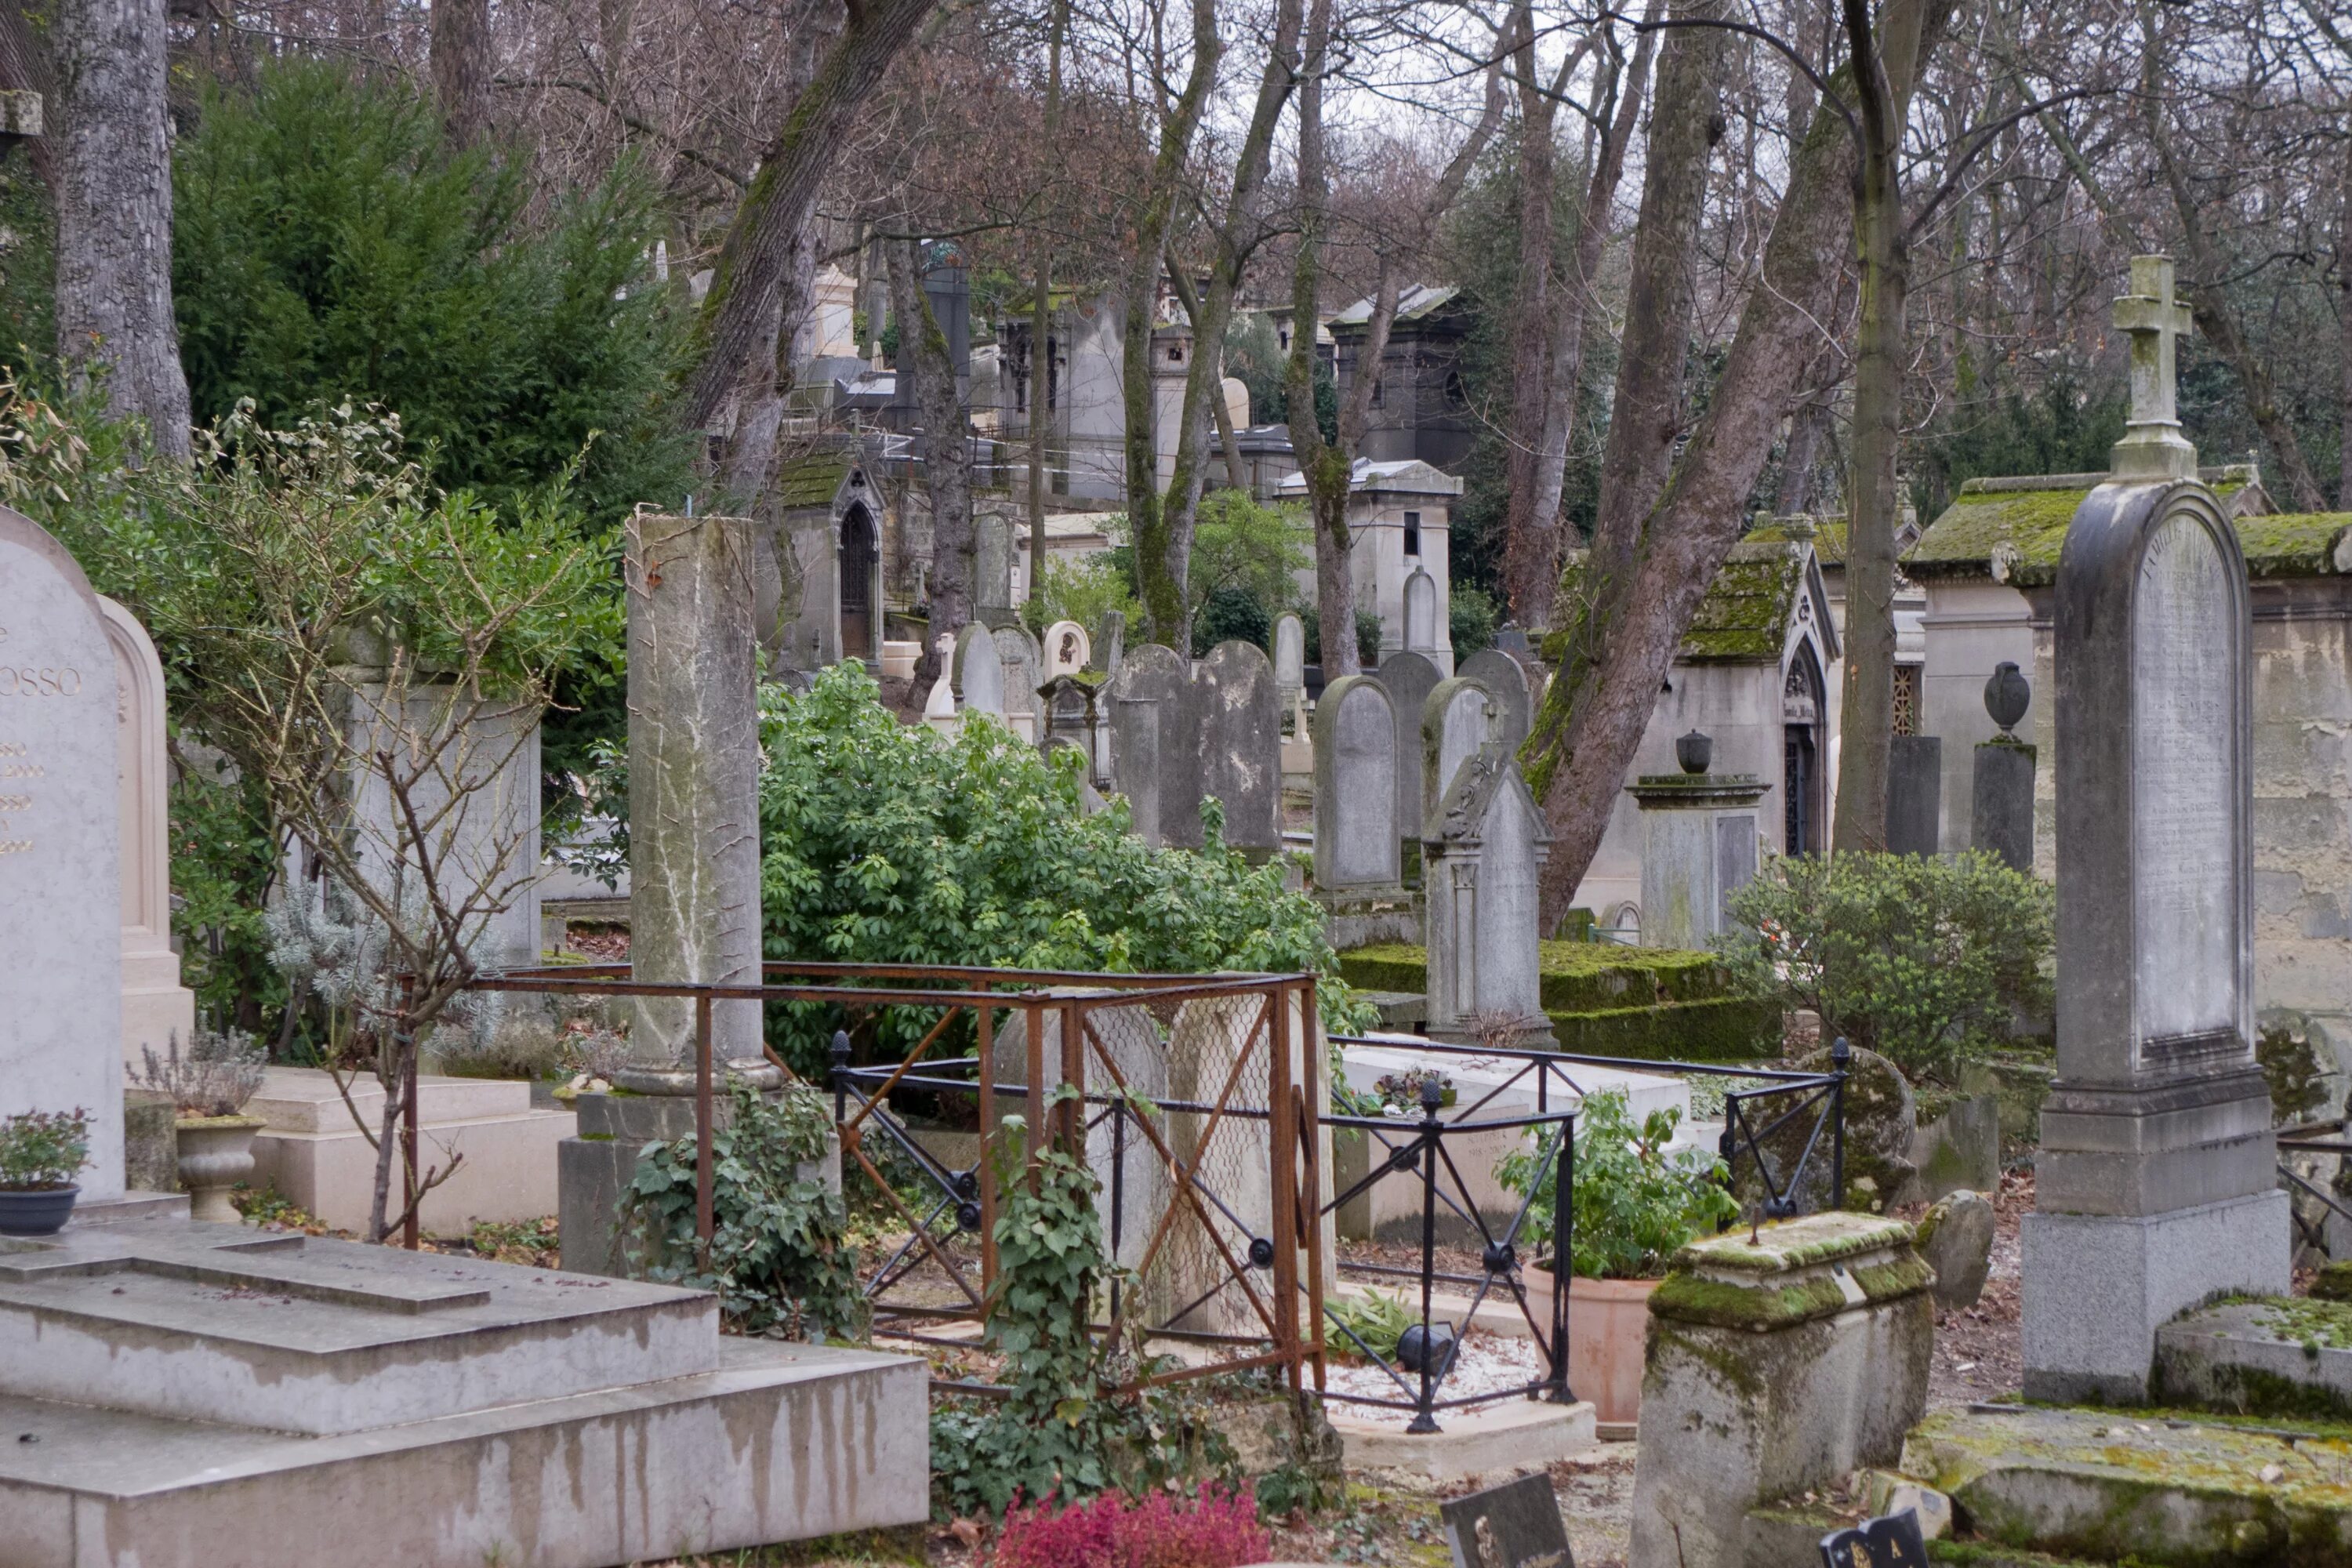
x=2153 y=446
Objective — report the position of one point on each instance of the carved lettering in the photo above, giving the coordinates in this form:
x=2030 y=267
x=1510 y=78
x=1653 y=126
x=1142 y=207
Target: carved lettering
x=39 y=682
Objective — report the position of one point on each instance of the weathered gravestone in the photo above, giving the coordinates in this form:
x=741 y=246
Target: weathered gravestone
x=979 y=672
x=2156 y=1181
x=156 y=1008
x=1114 y=643
x=1698 y=848
x=1289 y=654
x=1893 y=1541
x=992 y=582
x=1457 y=719
x=2000 y=820
x=1016 y=652
x=1410 y=679
x=1068 y=648
x=60 y=849
x=1155 y=745
x=1355 y=788
x=1515 y=1525
x=1421 y=613
x=1914 y=793
x=1506 y=681
x=1483 y=857
x=694 y=857
x=1241 y=737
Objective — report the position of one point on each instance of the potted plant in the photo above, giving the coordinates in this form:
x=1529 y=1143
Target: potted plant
x=209 y=1087
x=1636 y=1203
x=41 y=1151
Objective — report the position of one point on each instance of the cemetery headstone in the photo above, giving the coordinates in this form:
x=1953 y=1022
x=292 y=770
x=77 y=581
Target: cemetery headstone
x=1155 y=745
x=1893 y=1542
x=978 y=671
x=60 y=849
x=938 y=707
x=2157 y=1186
x=1016 y=653
x=156 y=1007
x=1698 y=846
x=1483 y=858
x=992 y=585
x=1242 y=731
x=1914 y=793
x=1421 y=612
x=1114 y=642
x=1289 y=656
x=1955 y=1237
x=1410 y=679
x=2001 y=819
x=1355 y=788
x=1456 y=722
x=1515 y=1525
x=1068 y=648
x=1504 y=677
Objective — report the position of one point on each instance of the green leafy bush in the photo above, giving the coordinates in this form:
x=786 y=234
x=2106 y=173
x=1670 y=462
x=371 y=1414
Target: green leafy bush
x=1230 y=614
x=43 y=1150
x=1085 y=590
x=777 y=1261
x=1923 y=960
x=1636 y=1205
x=885 y=843
x=1471 y=619
x=1240 y=542
x=1372 y=1322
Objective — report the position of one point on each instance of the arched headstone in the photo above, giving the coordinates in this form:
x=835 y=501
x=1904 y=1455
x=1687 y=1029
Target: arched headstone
x=1456 y=722
x=1507 y=680
x=1484 y=863
x=979 y=672
x=1068 y=648
x=1016 y=651
x=1355 y=788
x=156 y=1008
x=1410 y=679
x=60 y=849
x=1289 y=654
x=1155 y=745
x=1242 y=732
x=1421 y=612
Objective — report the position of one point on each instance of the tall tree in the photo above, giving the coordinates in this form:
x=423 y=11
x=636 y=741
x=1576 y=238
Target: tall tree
x=462 y=67
x=1041 y=321
x=925 y=358
x=114 y=212
x=1329 y=466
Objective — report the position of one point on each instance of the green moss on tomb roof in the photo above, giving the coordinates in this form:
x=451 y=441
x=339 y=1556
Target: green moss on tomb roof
x=2023 y=523
x=811 y=481
x=1744 y=614
x=2293 y=543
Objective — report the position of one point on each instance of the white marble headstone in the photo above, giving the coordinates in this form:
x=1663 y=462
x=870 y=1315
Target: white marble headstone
x=1068 y=648
x=60 y=849
x=978 y=671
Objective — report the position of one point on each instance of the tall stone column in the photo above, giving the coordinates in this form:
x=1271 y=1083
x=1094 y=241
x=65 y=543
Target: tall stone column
x=694 y=797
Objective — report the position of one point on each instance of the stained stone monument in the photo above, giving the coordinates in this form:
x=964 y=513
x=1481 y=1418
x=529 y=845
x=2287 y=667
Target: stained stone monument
x=1914 y=793
x=156 y=1007
x=1241 y=736
x=1421 y=610
x=1698 y=846
x=1355 y=788
x=1482 y=856
x=2156 y=1181
x=1459 y=718
x=1024 y=672
x=1155 y=745
x=1068 y=648
x=1114 y=643
x=979 y=672
x=2001 y=819
x=1290 y=658
x=939 y=708
x=1410 y=679
x=992 y=581
x=694 y=855
x=60 y=849
x=1508 y=681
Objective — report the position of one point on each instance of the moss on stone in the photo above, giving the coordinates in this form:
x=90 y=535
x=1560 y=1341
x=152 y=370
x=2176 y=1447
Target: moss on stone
x=2292 y=544
x=1720 y=1304
x=1744 y=614
x=2333 y=1283
x=1805 y=1243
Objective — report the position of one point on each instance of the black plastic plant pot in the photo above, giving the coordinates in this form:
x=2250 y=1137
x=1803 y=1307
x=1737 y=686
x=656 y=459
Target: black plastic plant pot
x=40 y=1211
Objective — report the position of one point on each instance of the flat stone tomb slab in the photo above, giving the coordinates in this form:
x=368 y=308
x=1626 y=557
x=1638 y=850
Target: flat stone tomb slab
x=307 y=1335
x=2284 y=1356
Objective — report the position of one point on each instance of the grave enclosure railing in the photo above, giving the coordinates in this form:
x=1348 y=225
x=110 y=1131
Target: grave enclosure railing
x=1195 y=1098
x=1782 y=1139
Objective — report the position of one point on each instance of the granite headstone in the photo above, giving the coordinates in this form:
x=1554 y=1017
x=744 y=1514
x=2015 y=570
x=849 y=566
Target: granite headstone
x=1155 y=745
x=1241 y=731
x=1410 y=677
x=1355 y=788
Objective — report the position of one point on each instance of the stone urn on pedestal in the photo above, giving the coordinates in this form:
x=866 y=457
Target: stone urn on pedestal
x=215 y=1156
x=209 y=1085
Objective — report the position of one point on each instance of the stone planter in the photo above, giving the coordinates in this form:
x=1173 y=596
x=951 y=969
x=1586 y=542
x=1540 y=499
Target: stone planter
x=40 y=1211
x=1606 y=1321
x=216 y=1155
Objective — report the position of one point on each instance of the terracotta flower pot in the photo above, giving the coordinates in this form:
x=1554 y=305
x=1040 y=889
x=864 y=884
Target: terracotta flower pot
x=216 y=1155
x=35 y=1211
x=1608 y=1320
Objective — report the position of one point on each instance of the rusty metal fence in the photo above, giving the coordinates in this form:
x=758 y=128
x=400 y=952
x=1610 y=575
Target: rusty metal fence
x=1194 y=1099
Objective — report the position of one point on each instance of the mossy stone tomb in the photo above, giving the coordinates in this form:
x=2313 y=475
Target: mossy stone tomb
x=1775 y=1365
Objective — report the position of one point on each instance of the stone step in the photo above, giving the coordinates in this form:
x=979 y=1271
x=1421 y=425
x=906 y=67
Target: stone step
x=2112 y=1488
x=308 y=1335
x=2288 y=1356
x=775 y=1442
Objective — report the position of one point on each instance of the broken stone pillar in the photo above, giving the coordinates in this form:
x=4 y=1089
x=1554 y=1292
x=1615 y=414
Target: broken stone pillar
x=1774 y=1366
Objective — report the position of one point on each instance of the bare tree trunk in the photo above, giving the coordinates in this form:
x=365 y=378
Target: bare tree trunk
x=755 y=277
x=924 y=357
x=1865 y=741
x=462 y=67
x=1564 y=371
x=1530 y=307
x=2344 y=320
x=114 y=213
x=1041 y=317
x=1599 y=705
x=1164 y=611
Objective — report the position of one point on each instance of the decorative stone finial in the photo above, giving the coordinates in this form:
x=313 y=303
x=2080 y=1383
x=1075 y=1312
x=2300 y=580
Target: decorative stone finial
x=1694 y=752
x=2007 y=695
x=2153 y=446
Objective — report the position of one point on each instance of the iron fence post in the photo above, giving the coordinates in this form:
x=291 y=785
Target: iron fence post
x=704 y=1222
x=1841 y=1058
x=1118 y=1194
x=1431 y=1097
x=1563 y=1268
x=840 y=1076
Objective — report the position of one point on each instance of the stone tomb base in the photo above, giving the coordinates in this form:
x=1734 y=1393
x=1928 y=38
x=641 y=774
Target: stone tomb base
x=192 y=1395
x=2097 y=1286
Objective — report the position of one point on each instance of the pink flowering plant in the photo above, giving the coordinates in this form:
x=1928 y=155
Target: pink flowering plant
x=1217 y=1528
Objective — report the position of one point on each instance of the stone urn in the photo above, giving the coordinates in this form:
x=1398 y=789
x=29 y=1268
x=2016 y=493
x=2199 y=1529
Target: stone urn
x=216 y=1155
x=1607 y=1319
x=2007 y=695
x=1694 y=752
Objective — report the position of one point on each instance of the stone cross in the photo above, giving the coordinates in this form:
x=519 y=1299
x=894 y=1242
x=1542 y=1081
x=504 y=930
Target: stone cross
x=2153 y=446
